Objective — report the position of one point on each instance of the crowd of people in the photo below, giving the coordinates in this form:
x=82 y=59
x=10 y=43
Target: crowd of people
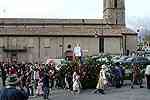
x=22 y=80
x=40 y=79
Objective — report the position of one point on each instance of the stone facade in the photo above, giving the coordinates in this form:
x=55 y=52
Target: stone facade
x=35 y=40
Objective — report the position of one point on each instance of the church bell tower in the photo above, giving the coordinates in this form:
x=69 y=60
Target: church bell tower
x=114 y=11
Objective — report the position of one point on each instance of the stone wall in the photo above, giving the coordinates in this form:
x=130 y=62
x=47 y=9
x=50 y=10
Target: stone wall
x=113 y=45
x=131 y=42
x=42 y=48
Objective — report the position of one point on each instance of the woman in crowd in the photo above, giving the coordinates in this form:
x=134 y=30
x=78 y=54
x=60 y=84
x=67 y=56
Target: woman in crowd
x=147 y=74
x=102 y=81
x=68 y=82
x=136 y=76
x=76 y=83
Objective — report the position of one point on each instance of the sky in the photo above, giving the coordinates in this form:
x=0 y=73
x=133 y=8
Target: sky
x=68 y=9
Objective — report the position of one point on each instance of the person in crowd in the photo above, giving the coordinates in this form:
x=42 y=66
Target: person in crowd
x=136 y=76
x=29 y=84
x=147 y=75
x=3 y=74
x=46 y=85
x=11 y=91
x=36 y=77
x=102 y=81
x=78 y=52
x=68 y=82
x=123 y=74
x=39 y=90
x=117 y=75
x=76 y=83
x=52 y=77
x=69 y=53
x=12 y=70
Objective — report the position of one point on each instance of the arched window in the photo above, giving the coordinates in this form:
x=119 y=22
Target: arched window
x=115 y=3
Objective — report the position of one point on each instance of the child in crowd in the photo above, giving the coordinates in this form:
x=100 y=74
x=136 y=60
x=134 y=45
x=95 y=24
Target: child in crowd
x=76 y=83
x=39 y=90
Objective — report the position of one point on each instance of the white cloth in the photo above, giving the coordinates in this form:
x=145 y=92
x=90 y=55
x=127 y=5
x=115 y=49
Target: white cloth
x=102 y=80
x=76 y=83
x=36 y=75
x=77 y=51
x=147 y=71
x=73 y=77
x=66 y=82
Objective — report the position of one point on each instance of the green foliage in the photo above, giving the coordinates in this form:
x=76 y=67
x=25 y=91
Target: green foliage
x=90 y=68
x=89 y=71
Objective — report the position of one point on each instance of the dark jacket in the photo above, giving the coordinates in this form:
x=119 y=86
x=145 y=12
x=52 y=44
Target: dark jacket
x=12 y=94
x=117 y=72
x=45 y=81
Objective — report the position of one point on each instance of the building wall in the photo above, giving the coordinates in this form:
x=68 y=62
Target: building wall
x=89 y=45
x=42 y=48
x=113 y=45
x=51 y=47
x=131 y=42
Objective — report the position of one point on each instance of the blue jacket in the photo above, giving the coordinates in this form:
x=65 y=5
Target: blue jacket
x=117 y=72
x=12 y=94
x=46 y=81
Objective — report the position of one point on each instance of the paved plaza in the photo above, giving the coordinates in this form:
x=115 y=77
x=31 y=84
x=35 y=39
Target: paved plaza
x=124 y=93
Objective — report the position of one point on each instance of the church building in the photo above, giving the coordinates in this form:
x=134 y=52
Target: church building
x=33 y=39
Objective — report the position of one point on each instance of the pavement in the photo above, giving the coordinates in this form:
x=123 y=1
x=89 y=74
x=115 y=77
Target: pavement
x=124 y=93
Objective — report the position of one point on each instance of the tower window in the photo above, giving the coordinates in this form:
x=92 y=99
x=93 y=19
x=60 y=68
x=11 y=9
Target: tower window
x=115 y=3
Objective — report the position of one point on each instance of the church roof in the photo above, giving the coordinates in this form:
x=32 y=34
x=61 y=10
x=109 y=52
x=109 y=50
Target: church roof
x=38 y=21
x=106 y=30
x=127 y=31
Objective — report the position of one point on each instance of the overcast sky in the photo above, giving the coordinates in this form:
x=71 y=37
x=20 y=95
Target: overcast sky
x=71 y=9
x=66 y=8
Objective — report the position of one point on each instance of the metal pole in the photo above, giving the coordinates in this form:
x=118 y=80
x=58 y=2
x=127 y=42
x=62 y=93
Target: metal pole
x=39 y=54
x=63 y=46
x=102 y=40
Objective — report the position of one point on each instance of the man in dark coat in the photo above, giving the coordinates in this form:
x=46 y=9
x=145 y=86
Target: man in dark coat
x=46 y=85
x=3 y=74
x=11 y=92
x=117 y=73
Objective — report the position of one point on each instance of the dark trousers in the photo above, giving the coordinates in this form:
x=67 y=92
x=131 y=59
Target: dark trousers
x=117 y=82
x=36 y=83
x=148 y=81
x=3 y=81
x=30 y=90
x=51 y=83
x=122 y=81
x=137 y=82
x=46 y=92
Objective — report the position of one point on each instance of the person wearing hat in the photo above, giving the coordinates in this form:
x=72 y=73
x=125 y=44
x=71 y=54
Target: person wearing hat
x=102 y=81
x=11 y=91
